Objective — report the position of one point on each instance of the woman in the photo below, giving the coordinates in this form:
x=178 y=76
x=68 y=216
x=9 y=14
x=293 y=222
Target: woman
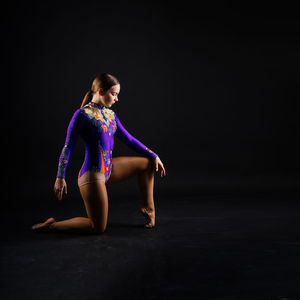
x=97 y=124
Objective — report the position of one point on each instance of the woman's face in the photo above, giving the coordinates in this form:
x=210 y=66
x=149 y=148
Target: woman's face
x=111 y=95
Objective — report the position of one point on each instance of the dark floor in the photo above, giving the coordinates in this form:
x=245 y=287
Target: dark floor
x=205 y=246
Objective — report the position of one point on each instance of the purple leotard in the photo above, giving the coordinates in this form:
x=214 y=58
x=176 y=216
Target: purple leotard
x=97 y=126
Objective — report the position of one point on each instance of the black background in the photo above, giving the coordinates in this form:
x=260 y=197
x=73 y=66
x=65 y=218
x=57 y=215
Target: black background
x=211 y=88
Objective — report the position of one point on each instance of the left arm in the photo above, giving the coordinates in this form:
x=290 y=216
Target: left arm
x=131 y=141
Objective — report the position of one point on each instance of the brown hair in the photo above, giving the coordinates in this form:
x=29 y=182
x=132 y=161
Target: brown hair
x=104 y=81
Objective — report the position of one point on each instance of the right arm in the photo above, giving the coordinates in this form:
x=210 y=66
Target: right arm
x=73 y=131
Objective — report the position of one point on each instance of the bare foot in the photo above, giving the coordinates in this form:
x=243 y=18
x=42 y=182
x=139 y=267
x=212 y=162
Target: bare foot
x=149 y=214
x=43 y=226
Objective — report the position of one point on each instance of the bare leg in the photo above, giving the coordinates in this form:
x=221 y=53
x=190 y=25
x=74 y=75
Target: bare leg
x=96 y=204
x=124 y=167
x=146 y=184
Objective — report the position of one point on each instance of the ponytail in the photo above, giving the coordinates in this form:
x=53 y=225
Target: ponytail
x=87 y=98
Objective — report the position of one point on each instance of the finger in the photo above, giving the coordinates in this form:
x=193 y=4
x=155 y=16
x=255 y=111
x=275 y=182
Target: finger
x=162 y=169
x=156 y=166
x=60 y=194
x=66 y=189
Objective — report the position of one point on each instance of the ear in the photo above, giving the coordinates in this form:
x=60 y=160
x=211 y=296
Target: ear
x=100 y=91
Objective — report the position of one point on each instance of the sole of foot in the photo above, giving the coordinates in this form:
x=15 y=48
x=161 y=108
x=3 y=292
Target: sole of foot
x=150 y=217
x=43 y=226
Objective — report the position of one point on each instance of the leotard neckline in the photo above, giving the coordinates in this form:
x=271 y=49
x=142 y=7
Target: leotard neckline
x=100 y=106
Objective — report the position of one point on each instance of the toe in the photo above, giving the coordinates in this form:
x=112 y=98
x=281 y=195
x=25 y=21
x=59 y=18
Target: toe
x=35 y=226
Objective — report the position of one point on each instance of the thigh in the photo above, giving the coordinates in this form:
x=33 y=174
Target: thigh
x=96 y=203
x=124 y=167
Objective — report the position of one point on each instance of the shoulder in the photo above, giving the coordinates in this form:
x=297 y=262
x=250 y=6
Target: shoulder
x=78 y=111
x=78 y=114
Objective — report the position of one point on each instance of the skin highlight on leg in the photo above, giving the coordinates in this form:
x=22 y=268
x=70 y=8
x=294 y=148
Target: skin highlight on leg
x=96 y=204
x=124 y=167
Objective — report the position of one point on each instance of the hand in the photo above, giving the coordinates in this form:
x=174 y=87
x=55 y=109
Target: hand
x=60 y=186
x=159 y=166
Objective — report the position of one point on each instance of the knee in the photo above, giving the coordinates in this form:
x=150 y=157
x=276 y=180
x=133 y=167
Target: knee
x=150 y=164
x=144 y=165
x=98 y=228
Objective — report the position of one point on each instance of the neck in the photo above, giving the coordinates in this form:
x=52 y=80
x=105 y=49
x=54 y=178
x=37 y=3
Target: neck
x=97 y=101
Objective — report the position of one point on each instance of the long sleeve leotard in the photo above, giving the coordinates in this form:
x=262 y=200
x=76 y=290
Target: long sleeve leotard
x=97 y=125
